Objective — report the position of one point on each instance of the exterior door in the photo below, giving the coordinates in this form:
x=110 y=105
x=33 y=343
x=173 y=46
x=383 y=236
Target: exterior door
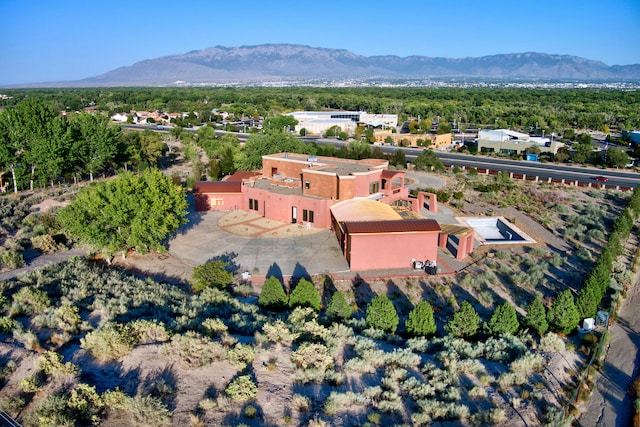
x=294 y=214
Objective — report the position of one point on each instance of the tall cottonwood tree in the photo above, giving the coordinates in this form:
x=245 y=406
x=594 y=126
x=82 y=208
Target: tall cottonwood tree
x=97 y=143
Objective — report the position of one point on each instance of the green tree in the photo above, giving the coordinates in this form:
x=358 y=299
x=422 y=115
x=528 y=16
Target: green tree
x=10 y=150
x=617 y=158
x=258 y=145
x=443 y=128
x=97 y=142
x=305 y=295
x=399 y=159
x=428 y=161
x=465 y=322
x=272 y=296
x=280 y=124
x=583 y=151
x=129 y=211
x=421 y=321
x=504 y=320
x=563 y=315
x=339 y=308
x=333 y=131
x=588 y=300
x=212 y=273
x=536 y=318
x=381 y=314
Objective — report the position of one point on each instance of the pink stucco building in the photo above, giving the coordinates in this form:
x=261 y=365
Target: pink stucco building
x=352 y=197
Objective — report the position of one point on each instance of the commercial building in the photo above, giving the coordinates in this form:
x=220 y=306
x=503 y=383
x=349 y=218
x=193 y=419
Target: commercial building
x=318 y=122
x=414 y=140
x=506 y=141
x=354 y=198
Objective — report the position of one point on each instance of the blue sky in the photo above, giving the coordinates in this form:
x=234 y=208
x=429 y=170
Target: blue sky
x=46 y=41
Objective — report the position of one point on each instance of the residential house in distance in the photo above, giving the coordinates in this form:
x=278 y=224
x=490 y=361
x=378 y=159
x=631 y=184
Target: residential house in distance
x=357 y=199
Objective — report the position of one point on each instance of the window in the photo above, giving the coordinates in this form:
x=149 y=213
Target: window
x=307 y=185
x=374 y=187
x=253 y=204
x=307 y=216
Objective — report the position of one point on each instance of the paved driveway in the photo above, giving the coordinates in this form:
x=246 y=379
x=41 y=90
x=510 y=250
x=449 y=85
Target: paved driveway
x=202 y=240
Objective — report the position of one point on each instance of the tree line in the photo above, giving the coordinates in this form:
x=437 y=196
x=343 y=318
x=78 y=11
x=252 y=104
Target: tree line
x=552 y=110
x=40 y=146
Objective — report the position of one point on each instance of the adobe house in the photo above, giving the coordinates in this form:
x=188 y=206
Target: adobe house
x=374 y=236
x=352 y=197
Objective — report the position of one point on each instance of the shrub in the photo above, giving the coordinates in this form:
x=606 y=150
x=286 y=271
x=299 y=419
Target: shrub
x=7 y=324
x=241 y=355
x=552 y=342
x=536 y=318
x=527 y=364
x=563 y=315
x=242 y=388
x=193 y=349
x=278 y=332
x=421 y=321
x=29 y=301
x=315 y=360
x=110 y=342
x=214 y=327
x=67 y=318
x=339 y=308
x=465 y=322
x=272 y=296
x=11 y=259
x=300 y=402
x=44 y=244
x=305 y=295
x=148 y=331
x=80 y=406
x=211 y=273
x=504 y=320
x=381 y=314
x=50 y=363
x=147 y=411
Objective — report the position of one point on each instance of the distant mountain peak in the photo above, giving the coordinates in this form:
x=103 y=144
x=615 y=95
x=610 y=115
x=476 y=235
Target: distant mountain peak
x=282 y=61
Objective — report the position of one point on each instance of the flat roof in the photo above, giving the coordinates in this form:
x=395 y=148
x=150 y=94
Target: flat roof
x=218 y=187
x=273 y=187
x=333 y=164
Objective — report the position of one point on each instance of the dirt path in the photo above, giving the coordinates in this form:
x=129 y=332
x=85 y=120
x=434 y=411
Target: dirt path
x=44 y=260
x=611 y=404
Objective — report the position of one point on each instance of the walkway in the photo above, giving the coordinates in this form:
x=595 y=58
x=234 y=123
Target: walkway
x=610 y=404
x=44 y=260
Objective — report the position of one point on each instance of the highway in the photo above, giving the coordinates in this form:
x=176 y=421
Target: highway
x=556 y=172
x=544 y=171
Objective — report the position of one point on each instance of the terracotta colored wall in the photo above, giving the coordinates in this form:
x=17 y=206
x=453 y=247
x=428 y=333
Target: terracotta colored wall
x=383 y=251
x=218 y=201
x=320 y=185
x=346 y=188
x=279 y=207
x=285 y=167
x=361 y=185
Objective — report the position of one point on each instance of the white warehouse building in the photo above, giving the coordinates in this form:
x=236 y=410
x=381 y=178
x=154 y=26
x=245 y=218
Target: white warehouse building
x=318 y=122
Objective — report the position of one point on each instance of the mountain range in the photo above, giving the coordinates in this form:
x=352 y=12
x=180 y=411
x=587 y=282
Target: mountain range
x=292 y=62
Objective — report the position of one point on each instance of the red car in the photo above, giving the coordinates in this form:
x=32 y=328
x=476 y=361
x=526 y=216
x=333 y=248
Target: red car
x=601 y=178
